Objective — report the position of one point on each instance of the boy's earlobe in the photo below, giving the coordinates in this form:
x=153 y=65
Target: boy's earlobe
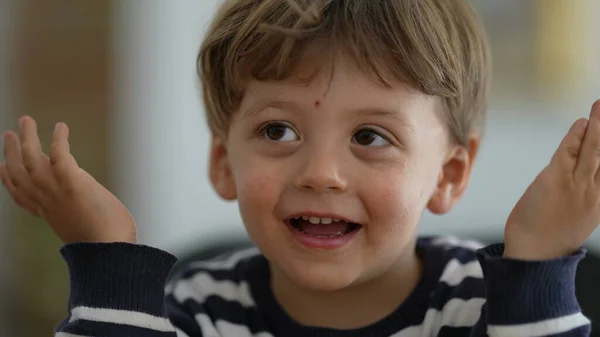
x=442 y=201
x=454 y=177
x=220 y=172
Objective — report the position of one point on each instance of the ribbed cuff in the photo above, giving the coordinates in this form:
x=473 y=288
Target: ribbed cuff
x=117 y=276
x=528 y=291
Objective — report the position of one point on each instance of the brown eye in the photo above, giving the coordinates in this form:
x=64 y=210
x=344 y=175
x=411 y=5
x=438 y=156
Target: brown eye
x=280 y=133
x=367 y=137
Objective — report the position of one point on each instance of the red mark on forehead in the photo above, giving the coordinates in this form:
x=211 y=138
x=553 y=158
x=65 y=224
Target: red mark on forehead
x=317 y=104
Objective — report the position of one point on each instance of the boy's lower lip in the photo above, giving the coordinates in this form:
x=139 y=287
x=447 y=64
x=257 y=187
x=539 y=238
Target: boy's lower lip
x=314 y=242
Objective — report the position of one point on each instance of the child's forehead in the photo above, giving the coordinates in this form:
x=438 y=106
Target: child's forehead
x=314 y=80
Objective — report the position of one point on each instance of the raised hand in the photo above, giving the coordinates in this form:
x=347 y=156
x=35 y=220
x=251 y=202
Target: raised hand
x=56 y=189
x=561 y=208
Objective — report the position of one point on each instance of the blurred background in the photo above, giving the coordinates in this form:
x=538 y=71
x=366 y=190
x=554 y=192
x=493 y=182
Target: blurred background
x=122 y=75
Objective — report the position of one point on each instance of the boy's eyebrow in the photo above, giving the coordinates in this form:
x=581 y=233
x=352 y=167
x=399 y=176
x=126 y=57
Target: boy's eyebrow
x=259 y=106
x=386 y=113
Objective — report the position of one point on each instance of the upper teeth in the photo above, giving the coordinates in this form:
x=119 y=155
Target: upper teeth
x=316 y=220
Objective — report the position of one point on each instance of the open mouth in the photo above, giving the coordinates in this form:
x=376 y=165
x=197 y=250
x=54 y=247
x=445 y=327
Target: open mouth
x=322 y=228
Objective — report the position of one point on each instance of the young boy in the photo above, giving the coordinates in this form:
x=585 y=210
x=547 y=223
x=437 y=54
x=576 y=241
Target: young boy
x=335 y=125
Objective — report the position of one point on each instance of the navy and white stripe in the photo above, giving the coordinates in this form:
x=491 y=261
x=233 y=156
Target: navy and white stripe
x=466 y=290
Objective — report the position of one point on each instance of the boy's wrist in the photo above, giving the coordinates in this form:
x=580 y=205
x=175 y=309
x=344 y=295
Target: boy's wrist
x=528 y=247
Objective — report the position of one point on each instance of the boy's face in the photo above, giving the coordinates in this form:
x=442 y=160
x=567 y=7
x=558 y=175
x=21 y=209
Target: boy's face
x=339 y=146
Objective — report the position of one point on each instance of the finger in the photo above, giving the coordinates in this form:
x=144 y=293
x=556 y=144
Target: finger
x=568 y=151
x=17 y=175
x=62 y=162
x=35 y=162
x=589 y=155
x=14 y=193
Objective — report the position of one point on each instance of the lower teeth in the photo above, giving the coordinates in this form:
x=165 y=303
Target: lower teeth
x=329 y=236
x=322 y=236
x=337 y=234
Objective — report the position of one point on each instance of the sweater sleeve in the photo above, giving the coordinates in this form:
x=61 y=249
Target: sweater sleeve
x=117 y=289
x=529 y=298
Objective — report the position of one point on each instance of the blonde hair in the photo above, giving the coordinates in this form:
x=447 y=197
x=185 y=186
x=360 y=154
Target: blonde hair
x=435 y=46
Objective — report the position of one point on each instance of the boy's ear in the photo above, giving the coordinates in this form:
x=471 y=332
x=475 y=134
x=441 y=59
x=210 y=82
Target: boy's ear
x=220 y=172
x=454 y=177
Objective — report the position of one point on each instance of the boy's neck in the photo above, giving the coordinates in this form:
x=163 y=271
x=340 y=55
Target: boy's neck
x=353 y=307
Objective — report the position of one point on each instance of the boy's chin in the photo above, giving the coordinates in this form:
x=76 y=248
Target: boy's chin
x=322 y=278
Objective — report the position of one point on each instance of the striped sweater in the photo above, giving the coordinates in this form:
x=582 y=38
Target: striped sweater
x=118 y=289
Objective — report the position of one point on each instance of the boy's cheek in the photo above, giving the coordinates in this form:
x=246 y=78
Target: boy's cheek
x=258 y=196
x=258 y=187
x=396 y=202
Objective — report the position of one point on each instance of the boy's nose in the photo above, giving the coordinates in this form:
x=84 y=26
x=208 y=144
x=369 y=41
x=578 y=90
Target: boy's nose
x=321 y=173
